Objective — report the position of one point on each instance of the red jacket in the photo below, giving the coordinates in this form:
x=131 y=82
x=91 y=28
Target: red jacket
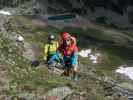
x=68 y=50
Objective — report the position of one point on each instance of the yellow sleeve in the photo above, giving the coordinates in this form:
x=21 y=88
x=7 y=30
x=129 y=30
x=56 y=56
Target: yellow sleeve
x=57 y=45
x=45 y=54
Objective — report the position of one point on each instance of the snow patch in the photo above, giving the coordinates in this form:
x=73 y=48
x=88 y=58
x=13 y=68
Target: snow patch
x=85 y=53
x=93 y=57
x=89 y=54
x=20 y=38
x=94 y=61
x=128 y=71
x=2 y=12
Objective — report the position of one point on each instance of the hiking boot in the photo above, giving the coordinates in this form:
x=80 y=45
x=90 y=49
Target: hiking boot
x=75 y=78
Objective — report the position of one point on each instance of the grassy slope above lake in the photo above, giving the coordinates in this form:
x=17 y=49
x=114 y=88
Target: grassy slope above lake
x=24 y=78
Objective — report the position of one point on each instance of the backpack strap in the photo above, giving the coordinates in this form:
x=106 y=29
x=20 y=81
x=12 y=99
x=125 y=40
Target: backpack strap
x=55 y=43
x=48 y=49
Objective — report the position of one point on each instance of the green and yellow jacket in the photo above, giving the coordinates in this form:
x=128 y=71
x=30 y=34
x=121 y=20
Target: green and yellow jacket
x=50 y=49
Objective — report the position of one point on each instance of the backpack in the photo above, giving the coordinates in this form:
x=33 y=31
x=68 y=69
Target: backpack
x=55 y=45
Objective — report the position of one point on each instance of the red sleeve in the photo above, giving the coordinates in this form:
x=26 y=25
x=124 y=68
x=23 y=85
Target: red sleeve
x=75 y=49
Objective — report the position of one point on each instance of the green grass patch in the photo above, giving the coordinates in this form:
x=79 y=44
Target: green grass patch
x=21 y=73
x=114 y=57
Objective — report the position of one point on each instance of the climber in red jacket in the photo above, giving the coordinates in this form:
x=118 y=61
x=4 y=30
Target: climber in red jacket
x=69 y=50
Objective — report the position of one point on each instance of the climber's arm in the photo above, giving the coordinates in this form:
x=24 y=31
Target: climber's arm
x=45 y=54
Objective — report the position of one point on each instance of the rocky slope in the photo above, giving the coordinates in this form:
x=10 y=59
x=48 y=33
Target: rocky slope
x=116 y=13
x=22 y=81
x=112 y=12
x=98 y=81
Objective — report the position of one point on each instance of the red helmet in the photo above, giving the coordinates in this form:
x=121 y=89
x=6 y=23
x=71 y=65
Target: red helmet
x=65 y=35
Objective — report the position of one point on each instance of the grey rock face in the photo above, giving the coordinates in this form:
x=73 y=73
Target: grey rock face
x=59 y=93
